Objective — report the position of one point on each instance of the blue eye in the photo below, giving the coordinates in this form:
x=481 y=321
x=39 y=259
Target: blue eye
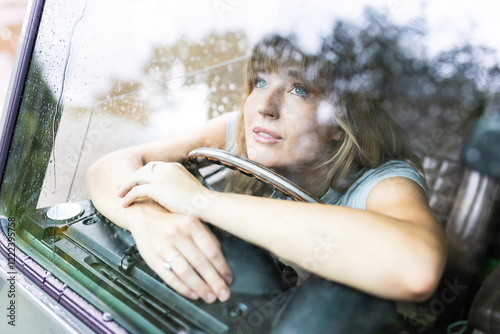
x=260 y=83
x=299 y=90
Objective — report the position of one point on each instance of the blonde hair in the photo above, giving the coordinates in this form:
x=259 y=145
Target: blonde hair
x=370 y=136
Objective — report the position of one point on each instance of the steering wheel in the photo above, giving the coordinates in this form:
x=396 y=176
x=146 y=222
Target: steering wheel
x=309 y=308
x=199 y=156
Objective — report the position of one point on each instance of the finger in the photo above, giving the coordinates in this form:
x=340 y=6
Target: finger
x=129 y=184
x=156 y=262
x=171 y=279
x=137 y=192
x=140 y=176
x=195 y=259
x=187 y=274
x=210 y=245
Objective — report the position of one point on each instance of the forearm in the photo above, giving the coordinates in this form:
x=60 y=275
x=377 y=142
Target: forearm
x=369 y=251
x=106 y=174
x=103 y=178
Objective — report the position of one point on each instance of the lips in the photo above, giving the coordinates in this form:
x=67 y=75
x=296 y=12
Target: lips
x=265 y=136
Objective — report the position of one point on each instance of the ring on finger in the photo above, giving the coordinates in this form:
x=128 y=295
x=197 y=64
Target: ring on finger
x=168 y=264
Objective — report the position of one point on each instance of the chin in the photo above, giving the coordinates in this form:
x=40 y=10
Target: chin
x=263 y=159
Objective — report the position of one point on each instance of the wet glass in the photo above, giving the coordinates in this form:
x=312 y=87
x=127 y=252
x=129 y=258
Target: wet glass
x=104 y=76
x=108 y=75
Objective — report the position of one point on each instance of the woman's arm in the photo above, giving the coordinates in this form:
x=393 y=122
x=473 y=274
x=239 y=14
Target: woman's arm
x=395 y=249
x=158 y=233
x=104 y=176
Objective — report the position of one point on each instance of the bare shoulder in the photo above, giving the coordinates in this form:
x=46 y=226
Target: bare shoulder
x=404 y=200
x=212 y=133
x=401 y=198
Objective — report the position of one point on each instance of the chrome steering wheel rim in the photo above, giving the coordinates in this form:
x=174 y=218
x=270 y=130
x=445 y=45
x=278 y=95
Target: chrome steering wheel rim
x=249 y=168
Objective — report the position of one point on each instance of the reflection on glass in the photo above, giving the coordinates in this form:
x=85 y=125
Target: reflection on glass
x=116 y=74
x=176 y=75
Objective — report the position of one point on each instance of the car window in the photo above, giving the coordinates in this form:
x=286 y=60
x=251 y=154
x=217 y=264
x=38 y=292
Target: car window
x=108 y=75
x=105 y=76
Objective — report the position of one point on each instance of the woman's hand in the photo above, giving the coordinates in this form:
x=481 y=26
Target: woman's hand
x=176 y=245
x=196 y=266
x=168 y=184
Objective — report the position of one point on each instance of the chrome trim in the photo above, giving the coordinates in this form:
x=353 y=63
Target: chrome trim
x=254 y=169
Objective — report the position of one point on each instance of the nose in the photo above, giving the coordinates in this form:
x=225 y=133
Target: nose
x=270 y=104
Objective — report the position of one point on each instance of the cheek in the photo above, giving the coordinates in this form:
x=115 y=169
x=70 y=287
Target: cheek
x=310 y=143
x=305 y=128
x=247 y=121
x=247 y=111
x=249 y=104
x=311 y=140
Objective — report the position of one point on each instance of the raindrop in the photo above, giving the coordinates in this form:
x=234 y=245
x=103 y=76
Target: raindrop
x=386 y=105
x=473 y=155
x=435 y=110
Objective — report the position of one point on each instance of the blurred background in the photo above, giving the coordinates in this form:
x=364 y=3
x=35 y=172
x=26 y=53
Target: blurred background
x=461 y=28
x=143 y=67
x=447 y=39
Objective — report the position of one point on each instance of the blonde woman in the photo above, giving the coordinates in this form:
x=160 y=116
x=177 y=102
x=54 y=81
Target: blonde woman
x=375 y=233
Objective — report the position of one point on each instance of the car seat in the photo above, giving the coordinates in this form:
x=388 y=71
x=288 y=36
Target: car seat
x=464 y=195
x=469 y=192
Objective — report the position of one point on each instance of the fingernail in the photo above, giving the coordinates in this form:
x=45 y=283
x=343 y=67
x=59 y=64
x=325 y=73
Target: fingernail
x=223 y=295
x=210 y=298
x=229 y=279
x=193 y=295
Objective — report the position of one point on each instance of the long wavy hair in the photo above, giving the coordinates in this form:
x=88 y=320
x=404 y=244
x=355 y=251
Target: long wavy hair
x=370 y=136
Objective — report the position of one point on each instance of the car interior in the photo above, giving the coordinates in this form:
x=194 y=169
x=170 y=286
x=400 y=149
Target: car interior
x=93 y=77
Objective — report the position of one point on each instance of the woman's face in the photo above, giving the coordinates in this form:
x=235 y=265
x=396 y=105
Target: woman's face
x=285 y=125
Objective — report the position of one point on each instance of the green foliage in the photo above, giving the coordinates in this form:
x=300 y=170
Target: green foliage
x=31 y=146
x=215 y=61
x=434 y=98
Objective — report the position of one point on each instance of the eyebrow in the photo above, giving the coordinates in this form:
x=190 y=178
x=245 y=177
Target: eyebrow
x=291 y=73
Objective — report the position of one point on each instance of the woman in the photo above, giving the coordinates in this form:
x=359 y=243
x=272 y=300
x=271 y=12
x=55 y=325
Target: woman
x=379 y=236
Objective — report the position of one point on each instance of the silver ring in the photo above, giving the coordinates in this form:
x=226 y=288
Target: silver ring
x=152 y=167
x=168 y=264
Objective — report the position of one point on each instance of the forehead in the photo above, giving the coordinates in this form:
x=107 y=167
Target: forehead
x=287 y=61
x=283 y=72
